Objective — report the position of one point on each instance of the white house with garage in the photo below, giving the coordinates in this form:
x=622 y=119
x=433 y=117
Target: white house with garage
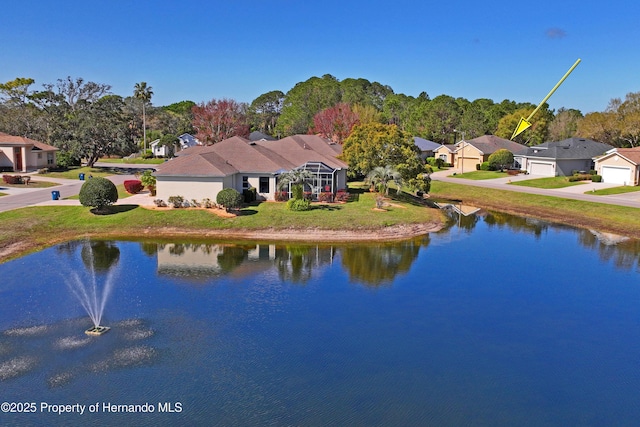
x=619 y=166
x=562 y=158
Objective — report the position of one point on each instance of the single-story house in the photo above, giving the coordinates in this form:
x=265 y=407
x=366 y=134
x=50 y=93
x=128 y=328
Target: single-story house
x=201 y=172
x=619 y=166
x=561 y=158
x=21 y=154
x=472 y=152
x=425 y=146
x=446 y=153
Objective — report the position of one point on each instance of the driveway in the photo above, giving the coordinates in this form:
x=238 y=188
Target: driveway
x=20 y=197
x=575 y=192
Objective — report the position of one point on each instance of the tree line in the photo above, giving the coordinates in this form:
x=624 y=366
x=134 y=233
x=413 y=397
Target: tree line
x=86 y=121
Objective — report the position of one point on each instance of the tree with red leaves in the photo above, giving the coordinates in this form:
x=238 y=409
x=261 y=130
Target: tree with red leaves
x=220 y=119
x=335 y=122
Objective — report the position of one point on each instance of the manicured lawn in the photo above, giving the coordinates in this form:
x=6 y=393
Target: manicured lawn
x=615 y=190
x=133 y=161
x=74 y=173
x=478 y=175
x=45 y=225
x=616 y=219
x=550 y=182
x=34 y=183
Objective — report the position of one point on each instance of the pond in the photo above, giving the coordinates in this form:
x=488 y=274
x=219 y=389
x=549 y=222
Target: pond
x=496 y=320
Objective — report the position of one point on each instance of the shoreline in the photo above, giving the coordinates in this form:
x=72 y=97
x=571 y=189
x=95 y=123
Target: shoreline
x=299 y=235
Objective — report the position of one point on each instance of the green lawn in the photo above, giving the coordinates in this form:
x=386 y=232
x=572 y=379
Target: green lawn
x=479 y=175
x=74 y=173
x=41 y=226
x=34 y=183
x=550 y=182
x=614 y=190
x=133 y=161
x=616 y=219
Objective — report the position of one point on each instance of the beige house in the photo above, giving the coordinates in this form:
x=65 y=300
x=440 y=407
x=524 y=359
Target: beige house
x=472 y=152
x=22 y=154
x=201 y=172
x=619 y=166
x=446 y=153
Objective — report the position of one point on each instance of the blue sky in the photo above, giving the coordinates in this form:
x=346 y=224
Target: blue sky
x=240 y=49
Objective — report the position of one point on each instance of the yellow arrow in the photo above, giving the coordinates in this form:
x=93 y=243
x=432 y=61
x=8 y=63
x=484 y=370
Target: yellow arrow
x=524 y=124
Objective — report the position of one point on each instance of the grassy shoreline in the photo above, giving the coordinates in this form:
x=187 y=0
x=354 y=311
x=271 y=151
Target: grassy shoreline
x=30 y=229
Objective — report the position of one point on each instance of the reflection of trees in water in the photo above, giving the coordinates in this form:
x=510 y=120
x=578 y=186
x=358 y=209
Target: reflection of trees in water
x=231 y=257
x=377 y=264
x=516 y=223
x=296 y=263
x=625 y=253
x=149 y=248
x=99 y=255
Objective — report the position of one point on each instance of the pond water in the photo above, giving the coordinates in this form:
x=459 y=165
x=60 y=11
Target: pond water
x=496 y=320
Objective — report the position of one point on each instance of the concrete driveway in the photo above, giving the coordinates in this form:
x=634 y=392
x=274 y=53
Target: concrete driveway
x=576 y=192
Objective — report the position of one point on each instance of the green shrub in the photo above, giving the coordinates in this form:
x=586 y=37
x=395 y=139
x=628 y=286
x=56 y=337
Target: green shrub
x=65 y=160
x=297 y=192
x=230 y=198
x=299 y=205
x=580 y=177
x=98 y=193
x=485 y=166
x=596 y=178
x=147 y=179
x=250 y=195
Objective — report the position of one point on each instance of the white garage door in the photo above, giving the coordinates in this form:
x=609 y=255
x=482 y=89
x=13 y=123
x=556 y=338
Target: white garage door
x=544 y=169
x=616 y=175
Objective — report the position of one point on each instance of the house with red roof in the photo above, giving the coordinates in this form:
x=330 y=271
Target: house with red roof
x=21 y=154
x=202 y=171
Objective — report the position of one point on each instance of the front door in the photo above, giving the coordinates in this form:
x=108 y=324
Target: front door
x=17 y=159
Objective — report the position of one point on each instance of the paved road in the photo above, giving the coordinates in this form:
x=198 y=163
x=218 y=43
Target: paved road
x=575 y=192
x=24 y=196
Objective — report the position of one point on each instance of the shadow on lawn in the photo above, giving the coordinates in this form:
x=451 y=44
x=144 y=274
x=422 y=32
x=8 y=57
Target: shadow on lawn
x=113 y=209
x=324 y=207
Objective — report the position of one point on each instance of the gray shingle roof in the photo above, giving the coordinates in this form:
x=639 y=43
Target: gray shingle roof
x=571 y=148
x=489 y=144
x=425 y=144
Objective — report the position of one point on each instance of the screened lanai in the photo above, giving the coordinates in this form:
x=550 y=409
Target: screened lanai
x=322 y=180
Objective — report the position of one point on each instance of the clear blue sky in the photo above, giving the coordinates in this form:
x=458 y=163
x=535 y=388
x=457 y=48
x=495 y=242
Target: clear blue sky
x=240 y=49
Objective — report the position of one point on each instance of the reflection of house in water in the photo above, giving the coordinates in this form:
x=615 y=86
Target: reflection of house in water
x=203 y=261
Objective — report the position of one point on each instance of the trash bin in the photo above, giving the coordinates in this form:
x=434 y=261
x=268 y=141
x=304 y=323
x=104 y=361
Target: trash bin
x=81 y=176
x=55 y=195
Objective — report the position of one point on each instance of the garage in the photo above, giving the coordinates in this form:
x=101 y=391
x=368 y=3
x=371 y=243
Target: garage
x=544 y=169
x=616 y=175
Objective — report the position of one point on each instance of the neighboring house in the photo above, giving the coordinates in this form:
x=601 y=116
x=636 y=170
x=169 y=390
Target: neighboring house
x=159 y=150
x=187 y=140
x=562 y=158
x=619 y=166
x=259 y=136
x=426 y=147
x=446 y=153
x=21 y=154
x=472 y=152
x=201 y=172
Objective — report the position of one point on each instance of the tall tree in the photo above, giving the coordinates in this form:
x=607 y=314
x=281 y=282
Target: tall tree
x=220 y=119
x=564 y=124
x=265 y=110
x=144 y=93
x=335 y=123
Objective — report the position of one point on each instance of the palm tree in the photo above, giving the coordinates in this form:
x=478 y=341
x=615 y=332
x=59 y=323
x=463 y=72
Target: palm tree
x=143 y=92
x=380 y=177
x=295 y=177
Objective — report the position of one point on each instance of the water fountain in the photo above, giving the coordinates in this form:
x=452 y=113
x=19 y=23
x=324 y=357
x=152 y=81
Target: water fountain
x=86 y=288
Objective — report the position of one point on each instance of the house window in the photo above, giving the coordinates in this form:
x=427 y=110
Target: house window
x=245 y=182
x=39 y=156
x=49 y=158
x=443 y=157
x=264 y=184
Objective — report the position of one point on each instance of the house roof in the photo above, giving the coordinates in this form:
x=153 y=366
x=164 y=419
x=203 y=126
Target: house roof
x=425 y=144
x=449 y=147
x=20 y=141
x=489 y=144
x=571 y=148
x=631 y=154
x=239 y=155
x=257 y=136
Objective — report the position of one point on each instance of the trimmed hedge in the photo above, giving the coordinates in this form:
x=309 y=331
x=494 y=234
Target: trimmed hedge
x=98 y=193
x=133 y=186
